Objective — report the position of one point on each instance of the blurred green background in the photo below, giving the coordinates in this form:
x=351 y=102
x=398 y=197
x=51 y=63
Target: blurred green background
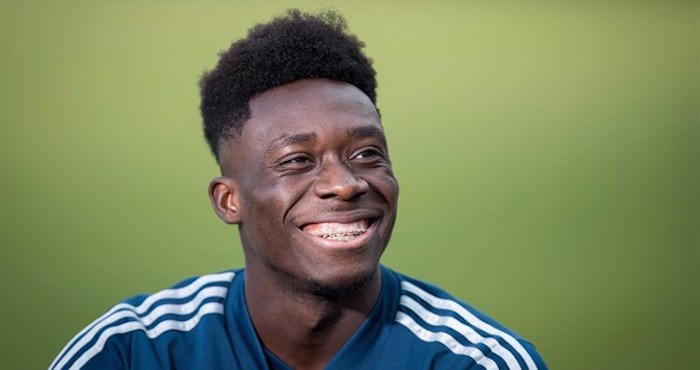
x=547 y=153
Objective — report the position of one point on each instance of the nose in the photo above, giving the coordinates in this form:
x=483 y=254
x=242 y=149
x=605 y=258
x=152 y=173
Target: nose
x=336 y=179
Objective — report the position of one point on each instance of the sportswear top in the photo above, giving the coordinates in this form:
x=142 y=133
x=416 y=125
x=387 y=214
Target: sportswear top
x=203 y=323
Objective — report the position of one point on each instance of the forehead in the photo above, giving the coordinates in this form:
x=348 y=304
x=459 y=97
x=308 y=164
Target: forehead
x=310 y=106
x=325 y=111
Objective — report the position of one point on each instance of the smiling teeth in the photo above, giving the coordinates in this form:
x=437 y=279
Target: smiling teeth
x=342 y=237
x=337 y=231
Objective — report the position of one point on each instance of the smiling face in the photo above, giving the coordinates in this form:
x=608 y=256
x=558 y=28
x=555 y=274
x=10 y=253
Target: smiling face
x=310 y=184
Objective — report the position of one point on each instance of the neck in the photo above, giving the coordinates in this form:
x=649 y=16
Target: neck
x=301 y=326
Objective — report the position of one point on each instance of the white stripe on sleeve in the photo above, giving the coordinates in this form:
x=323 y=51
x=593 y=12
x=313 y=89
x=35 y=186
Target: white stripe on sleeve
x=470 y=334
x=451 y=305
x=209 y=308
x=447 y=340
x=176 y=293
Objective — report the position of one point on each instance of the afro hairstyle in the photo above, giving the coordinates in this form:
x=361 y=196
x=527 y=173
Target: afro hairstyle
x=289 y=48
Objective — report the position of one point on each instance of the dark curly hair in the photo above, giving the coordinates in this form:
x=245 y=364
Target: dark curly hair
x=292 y=47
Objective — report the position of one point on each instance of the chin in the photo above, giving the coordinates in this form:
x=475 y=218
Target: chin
x=342 y=285
x=330 y=283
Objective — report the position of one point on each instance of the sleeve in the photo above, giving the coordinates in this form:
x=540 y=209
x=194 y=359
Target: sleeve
x=90 y=356
x=536 y=358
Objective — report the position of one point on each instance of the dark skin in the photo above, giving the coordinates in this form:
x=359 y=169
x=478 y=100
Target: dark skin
x=310 y=186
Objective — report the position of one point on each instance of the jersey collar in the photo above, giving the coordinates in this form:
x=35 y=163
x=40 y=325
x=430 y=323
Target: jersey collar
x=361 y=350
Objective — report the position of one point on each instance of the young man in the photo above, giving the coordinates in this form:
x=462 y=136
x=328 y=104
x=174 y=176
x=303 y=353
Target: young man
x=289 y=113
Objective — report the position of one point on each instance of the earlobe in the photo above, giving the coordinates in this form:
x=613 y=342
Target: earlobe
x=223 y=193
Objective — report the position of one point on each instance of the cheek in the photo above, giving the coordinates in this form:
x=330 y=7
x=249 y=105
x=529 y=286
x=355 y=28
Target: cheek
x=266 y=209
x=388 y=187
x=261 y=229
x=280 y=194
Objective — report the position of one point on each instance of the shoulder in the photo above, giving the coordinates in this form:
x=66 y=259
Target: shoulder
x=435 y=317
x=110 y=340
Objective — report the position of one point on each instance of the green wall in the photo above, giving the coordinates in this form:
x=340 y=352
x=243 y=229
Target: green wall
x=547 y=153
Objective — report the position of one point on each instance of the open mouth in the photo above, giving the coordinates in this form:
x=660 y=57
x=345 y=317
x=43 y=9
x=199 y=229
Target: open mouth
x=337 y=231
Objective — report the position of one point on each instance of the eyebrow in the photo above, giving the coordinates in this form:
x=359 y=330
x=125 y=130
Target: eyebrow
x=366 y=131
x=307 y=137
x=286 y=140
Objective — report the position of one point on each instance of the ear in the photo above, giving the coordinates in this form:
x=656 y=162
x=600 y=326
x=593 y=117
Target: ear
x=223 y=193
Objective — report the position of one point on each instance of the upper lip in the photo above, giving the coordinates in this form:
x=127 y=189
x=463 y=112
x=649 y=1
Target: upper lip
x=340 y=217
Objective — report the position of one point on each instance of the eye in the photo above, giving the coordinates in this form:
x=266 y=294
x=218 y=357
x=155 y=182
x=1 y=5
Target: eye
x=296 y=160
x=369 y=153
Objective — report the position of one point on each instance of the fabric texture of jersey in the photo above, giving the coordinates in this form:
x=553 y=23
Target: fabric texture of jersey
x=203 y=323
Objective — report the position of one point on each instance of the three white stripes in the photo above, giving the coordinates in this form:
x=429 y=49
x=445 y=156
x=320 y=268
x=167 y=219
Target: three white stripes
x=470 y=334
x=124 y=310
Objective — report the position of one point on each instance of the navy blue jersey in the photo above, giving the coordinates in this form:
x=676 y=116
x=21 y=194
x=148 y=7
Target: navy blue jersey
x=203 y=323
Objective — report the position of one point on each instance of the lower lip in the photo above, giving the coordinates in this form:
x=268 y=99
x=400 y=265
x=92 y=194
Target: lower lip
x=357 y=242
